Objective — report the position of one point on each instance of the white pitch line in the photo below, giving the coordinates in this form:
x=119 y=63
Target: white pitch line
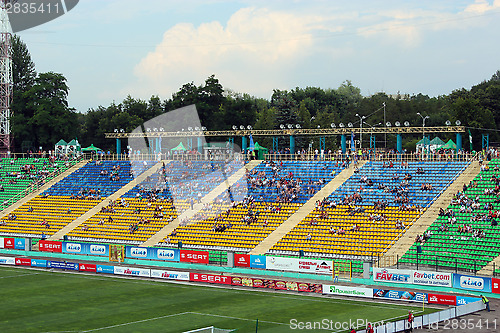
x=229 y=317
x=135 y=322
x=10 y=276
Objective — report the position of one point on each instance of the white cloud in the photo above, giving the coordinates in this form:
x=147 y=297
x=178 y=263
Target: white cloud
x=255 y=47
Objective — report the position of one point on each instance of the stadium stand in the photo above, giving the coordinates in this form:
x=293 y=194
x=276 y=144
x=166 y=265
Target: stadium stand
x=367 y=214
x=466 y=235
x=155 y=202
x=257 y=204
x=17 y=174
x=70 y=198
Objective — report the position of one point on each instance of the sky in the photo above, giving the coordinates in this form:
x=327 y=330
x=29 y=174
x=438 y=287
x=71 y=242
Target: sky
x=108 y=49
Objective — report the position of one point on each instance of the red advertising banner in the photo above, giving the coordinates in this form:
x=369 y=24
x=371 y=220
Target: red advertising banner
x=442 y=299
x=88 y=268
x=197 y=257
x=49 y=246
x=310 y=287
x=8 y=243
x=241 y=260
x=23 y=262
x=279 y=285
x=495 y=285
x=259 y=283
x=236 y=281
x=210 y=278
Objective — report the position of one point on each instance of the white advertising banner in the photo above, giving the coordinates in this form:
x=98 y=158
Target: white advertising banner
x=392 y=275
x=132 y=271
x=169 y=275
x=299 y=265
x=427 y=278
x=347 y=291
x=1 y=243
x=7 y=261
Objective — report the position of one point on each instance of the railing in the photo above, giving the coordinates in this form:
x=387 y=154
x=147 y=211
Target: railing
x=163 y=157
x=38 y=184
x=389 y=156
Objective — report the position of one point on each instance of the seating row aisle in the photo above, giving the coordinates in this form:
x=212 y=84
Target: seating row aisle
x=240 y=228
x=371 y=210
x=45 y=215
x=467 y=235
x=127 y=220
x=341 y=233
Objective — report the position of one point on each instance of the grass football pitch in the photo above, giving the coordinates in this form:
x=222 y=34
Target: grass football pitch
x=45 y=301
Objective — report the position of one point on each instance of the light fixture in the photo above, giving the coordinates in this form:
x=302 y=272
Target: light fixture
x=182 y=130
x=397 y=123
x=282 y=126
x=116 y=130
x=319 y=126
x=203 y=128
x=155 y=129
x=196 y=128
x=448 y=123
x=249 y=127
x=122 y=130
x=297 y=126
x=235 y=127
x=458 y=122
x=149 y=130
x=407 y=123
x=332 y=125
x=162 y=129
x=242 y=127
x=341 y=125
x=349 y=125
x=388 y=124
x=290 y=126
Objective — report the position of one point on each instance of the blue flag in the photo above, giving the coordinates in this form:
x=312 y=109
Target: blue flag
x=252 y=145
x=353 y=146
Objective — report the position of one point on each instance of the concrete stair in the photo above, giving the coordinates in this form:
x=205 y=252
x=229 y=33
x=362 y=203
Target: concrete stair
x=210 y=197
x=46 y=186
x=268 y=242
x=428 y=217
x=97 y=208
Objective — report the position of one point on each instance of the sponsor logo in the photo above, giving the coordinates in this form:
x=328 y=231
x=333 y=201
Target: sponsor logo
x=73 y=248
x=166 y=254
x=129 y=271
x=469 y=282
x=433 y=299
x=97 y=249
x=393 y=277
x=139 y=252
x=195 y=256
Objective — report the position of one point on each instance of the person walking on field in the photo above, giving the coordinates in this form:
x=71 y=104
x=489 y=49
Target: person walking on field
x=486 y=302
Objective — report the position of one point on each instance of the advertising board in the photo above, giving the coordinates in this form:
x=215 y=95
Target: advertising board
x=50 y=246
x=347 y=291
x=197 y=257
x=257 y=261
x=475 y=283
x=132 y=271
x=169 y=275
x=7 y=261
x=392 y=275
x=209 y=278
x=427 y=278
x=241 y=260
x=442 y=299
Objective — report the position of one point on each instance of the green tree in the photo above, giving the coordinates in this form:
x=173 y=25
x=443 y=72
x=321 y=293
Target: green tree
x=23 y=74
x=52 y=118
